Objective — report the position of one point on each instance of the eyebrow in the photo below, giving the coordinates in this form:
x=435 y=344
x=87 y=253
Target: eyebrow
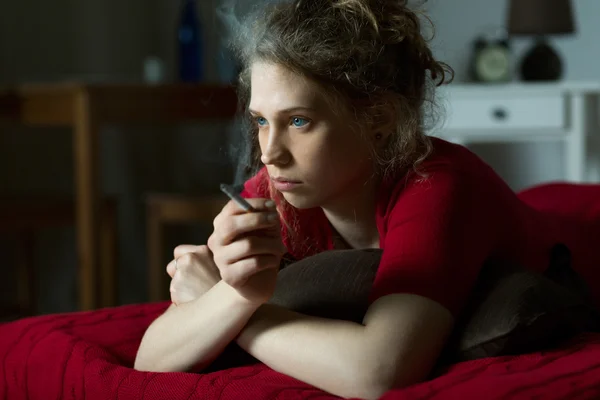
x=286 y=110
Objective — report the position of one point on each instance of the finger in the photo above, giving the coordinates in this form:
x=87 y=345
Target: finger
x=237 y=274
x=187 y=262
x=171 y=268
x=184 y=249
x=173 y=285
x=253 y=246
x=228 y=228
x=262 y=204
x=182 y=263
x=203 y=251
x=177 y=292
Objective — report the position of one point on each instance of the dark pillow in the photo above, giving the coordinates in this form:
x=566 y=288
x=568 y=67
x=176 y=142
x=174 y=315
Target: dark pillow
x=511 y=310
x=332 y=284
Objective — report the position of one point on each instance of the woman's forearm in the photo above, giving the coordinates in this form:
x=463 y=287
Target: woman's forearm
x=328 y=354
x=194 y=333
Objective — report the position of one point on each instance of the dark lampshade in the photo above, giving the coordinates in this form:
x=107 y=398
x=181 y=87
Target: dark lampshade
x=540 y=17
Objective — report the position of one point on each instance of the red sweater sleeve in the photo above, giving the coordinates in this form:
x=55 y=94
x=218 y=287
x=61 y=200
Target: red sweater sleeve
x=436 y=238
x=257 y=186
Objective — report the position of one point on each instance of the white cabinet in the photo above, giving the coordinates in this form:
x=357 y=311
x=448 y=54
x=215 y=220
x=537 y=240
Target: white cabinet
x=508 y=112
x=524 y=112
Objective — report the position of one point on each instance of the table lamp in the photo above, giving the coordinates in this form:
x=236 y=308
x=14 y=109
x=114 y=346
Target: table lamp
x=541 y=18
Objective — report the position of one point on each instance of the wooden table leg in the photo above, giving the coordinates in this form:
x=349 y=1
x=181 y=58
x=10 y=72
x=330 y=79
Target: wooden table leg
x=109 y=293
x=85 y=147
x=157 y=276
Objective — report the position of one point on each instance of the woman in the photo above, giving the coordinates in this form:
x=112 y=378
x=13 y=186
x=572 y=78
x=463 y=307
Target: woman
x=336 y=90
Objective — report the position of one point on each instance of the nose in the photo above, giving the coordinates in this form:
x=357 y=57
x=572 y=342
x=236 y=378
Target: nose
x=274 y=148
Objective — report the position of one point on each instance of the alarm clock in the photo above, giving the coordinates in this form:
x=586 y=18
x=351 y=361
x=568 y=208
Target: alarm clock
x=491 y=60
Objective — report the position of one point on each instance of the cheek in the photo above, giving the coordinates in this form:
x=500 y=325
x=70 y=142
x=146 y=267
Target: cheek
x=328 y=163
x=347 y=153
x=330 y=153
x=262 y=139
x=314 y=156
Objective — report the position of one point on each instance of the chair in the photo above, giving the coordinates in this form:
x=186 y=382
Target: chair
x=22 y=217
x=170 y=209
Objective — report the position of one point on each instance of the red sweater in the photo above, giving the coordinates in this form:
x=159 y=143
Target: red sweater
x=437 y=232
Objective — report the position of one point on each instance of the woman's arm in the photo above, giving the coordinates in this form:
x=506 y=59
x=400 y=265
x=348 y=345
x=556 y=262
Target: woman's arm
x=210 y=312
x=397 y=345
x=194 y=333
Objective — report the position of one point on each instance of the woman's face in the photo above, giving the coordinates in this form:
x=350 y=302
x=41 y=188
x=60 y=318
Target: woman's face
x=311 y=154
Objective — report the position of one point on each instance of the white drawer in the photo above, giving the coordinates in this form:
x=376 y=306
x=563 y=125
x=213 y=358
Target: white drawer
x=505 y=111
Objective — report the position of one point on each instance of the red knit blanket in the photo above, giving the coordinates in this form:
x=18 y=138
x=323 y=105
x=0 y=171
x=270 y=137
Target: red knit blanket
x=90 y=356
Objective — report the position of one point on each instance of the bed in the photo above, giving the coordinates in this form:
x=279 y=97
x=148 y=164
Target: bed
x=90 y=356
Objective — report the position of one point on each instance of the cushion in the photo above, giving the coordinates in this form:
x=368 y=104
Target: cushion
x=513 y=310
x=333 y=284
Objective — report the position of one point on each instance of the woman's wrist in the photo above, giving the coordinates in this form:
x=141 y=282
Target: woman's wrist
x=237 y=299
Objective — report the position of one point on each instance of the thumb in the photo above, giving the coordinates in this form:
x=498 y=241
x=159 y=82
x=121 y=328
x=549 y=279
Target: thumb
x=184 y=249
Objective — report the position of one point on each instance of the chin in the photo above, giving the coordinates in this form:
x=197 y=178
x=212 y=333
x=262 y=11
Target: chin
x=301 y=202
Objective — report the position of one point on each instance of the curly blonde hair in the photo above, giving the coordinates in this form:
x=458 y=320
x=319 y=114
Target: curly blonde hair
x=369 y=56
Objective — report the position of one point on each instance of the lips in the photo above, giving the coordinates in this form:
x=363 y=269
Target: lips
x=285 y=180
x=285 y=184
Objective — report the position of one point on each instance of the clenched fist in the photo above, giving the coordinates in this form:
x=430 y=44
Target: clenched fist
x=193 y=273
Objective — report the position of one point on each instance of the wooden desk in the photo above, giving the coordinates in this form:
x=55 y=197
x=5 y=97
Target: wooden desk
x=85 y=108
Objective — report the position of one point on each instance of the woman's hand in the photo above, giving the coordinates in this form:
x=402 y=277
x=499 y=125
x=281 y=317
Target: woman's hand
x=247 y=248
x=193 y=273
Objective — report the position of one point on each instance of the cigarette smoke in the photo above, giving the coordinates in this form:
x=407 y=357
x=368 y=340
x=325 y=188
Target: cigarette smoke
x=236 y=16
x=236 y=19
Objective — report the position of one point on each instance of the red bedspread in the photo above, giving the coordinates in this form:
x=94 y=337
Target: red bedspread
x=90 y=355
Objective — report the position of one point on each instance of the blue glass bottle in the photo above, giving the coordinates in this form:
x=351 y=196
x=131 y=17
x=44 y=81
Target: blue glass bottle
x=190 y=44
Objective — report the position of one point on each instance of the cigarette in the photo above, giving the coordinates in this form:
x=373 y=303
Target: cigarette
x=240 y=201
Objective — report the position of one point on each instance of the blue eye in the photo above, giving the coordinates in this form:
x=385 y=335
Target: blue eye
x=299 y=122
x=261 y=121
